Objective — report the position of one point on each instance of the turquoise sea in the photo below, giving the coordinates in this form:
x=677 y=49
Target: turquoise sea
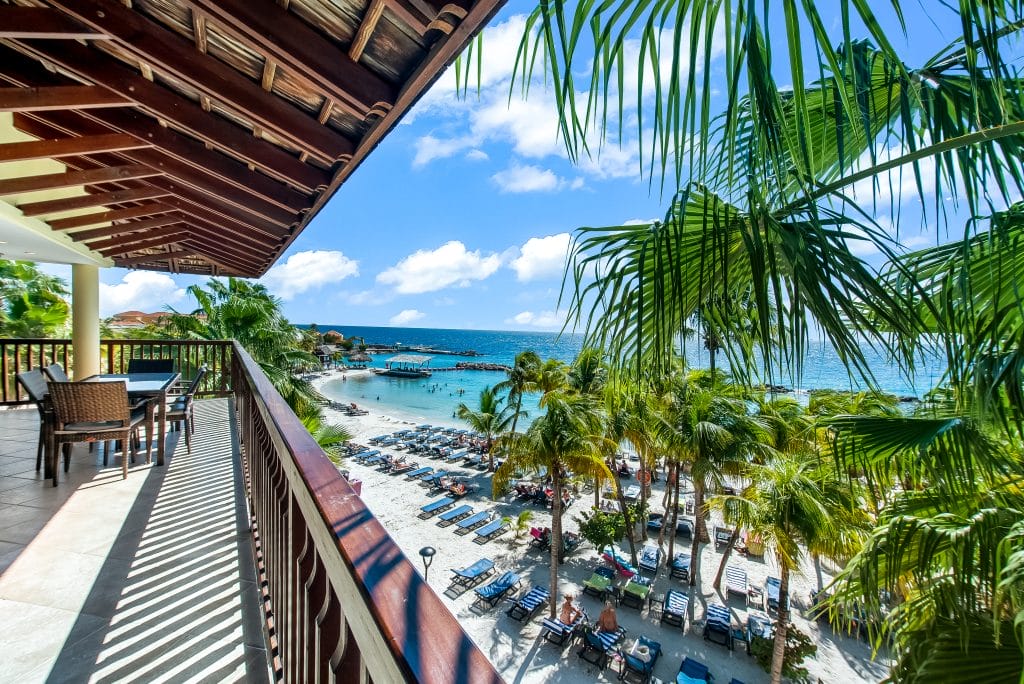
x=434 y=399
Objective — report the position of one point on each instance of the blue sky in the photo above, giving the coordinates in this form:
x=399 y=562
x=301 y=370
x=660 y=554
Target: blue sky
x=461 y=218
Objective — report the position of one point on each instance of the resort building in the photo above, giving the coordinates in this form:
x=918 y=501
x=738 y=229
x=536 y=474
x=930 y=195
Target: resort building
x=201 y=137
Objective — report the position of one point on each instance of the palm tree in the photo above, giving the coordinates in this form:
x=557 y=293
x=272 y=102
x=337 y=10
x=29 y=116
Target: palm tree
x=566 y=438
x=712 y=433
x=490 y=419
x=791 y=503
x=32 y=303
x=522 y=378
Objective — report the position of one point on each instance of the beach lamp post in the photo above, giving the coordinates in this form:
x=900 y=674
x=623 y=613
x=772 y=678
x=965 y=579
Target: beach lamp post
x=427 y=554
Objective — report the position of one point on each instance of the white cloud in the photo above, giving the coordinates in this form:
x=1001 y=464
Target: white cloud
x=548 y=320
x=541 y=257
x=305 y=271
x=477 y=155
x=428 y=148
x=406 y=316
x=639 y=222
x=517 y=178
x=366 y=297
x=139 y=291
x=451 y=264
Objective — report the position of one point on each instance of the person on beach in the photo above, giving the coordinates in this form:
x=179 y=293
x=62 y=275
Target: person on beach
x=569 y=611
x=607 y=621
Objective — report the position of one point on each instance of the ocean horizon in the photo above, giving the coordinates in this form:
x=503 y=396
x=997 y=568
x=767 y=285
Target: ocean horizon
x=435 y=399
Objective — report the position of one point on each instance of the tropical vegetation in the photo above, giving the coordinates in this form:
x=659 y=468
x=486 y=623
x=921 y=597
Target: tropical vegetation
x=776 y=195
x=32 y=303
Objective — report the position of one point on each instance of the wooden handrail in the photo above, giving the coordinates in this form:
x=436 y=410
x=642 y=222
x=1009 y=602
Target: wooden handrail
x=346 y=604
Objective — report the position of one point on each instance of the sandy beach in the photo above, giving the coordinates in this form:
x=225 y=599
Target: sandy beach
x=518 y=650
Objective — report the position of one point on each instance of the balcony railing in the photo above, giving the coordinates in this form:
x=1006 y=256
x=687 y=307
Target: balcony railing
x=342 y=603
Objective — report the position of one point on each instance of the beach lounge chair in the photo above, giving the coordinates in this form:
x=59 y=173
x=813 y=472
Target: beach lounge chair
x=528 y=604
x=772 y=585
x=722 y=536
x=454 y=515
x=681 y=566
x=693 y=672
x=599 y=582
x=735 y=581
x=673 y=610
x=540 y=537
x=418 y=473
x=438 y=506
x=496 y=590
x=759 y=625
x=684 y=528
x=650 y=558
x=465 y=525
x=632 y=493
x=457 y=456
x=619 y=562
x=404 y=467
x=560 y=633
x=430 y=479
x=376 y=459
x=635 y=592
x=470 y=575
x=718 y=625
x=493 y=529
x=474 y=461
x=367 y=455
x=635 y=665
x=597 y=646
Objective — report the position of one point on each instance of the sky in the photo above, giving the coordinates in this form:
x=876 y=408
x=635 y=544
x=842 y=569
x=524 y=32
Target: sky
x=462 y=217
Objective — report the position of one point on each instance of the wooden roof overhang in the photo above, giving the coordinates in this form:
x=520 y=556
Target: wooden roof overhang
x=206 y=134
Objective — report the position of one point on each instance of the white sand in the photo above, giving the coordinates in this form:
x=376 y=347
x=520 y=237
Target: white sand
x=517 y=650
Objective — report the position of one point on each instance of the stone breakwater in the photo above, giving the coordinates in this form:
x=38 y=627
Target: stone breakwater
x=474 y=365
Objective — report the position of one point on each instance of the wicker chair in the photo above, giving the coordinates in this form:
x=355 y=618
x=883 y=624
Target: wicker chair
x=95 y=411
x=34 y=382
x=150 y=365
x=55 y=372
x=180 y=409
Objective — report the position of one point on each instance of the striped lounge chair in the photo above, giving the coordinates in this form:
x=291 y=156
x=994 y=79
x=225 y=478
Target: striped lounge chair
x=736 y=581
x=673 y=611
x=718 y=625
x=560 y=633
x=524 y=609
x=598 y=646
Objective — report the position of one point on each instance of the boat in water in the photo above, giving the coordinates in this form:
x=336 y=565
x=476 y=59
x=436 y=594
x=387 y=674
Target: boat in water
x=406 y=366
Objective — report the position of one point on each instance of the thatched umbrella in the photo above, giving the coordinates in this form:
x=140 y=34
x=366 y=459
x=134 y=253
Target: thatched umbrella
x=360 y=357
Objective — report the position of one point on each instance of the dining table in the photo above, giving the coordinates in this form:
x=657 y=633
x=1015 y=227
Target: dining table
x=151 y=386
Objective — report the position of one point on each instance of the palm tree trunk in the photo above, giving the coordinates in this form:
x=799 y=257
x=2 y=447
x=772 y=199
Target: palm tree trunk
x=629 y=522
x=817 y=571
x=699 y=527
x=779 y=647
x=597 y=493
x=673 y=499
x=490 y=453
x=556 y=536
x=519 y=407
x=725 y=557
x=666 y=502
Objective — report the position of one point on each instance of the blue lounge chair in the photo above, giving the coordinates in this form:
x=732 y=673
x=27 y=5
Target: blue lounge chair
x=472 y=521
x=366 y=455
x=436 y=507
x=454 y=515
x=376 y=459
x=597 y=646
x=772 y=586
x=496 y=590
x=681 y=566
x=561 y=633
x=418 y=473
x=650 y=558
x=633 y=664
x=430 y=479
x=735 y=581
x=530 y=603
x=457 y=456
x=469 y=576
x=619 y=562
x=673 y=611
x=495 y=528
x=693 y=672
x=718 y=625
x=600 y=582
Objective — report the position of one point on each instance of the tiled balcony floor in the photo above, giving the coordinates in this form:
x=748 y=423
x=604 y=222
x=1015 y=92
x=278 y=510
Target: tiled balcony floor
x=145 y=579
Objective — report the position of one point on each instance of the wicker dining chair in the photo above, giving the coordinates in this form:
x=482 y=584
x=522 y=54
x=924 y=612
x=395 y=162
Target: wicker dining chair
x=95 y=411
x=34 y=383
x=180 y=410
x=150 y=365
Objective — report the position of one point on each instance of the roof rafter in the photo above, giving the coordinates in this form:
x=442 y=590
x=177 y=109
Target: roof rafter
x=148 y=209
x=98 y=199
x=156 y=238
x=59 y=97
x=126 y=227
x=54 y=148
x=42 y=22
x=52 y=181
x=128 y=262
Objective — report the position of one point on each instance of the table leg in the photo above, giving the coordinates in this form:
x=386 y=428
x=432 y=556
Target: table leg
x=161 y=429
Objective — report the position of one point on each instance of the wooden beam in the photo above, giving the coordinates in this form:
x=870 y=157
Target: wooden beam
x=119 y=247
x=51 y=181
x=196 y=202
x=59 y=97
x=126 y=227
x=107 y=216
x=302 y=51
x=98 y=199
x=249 y=210
x=225 y=267
x=92 y=65
x=222 y=258
x=366 y=28
x=226 y=247
x=68 y=147
x=411 y=15
x=129 y=262
x=128 y=239
x=253 y=242
x=166 y=51
x=43 y=22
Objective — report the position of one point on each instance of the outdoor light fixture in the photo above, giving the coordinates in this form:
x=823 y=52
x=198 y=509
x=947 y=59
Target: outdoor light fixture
x=427 y=554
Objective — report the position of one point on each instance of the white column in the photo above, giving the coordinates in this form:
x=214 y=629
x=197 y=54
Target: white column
x=85 y=319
